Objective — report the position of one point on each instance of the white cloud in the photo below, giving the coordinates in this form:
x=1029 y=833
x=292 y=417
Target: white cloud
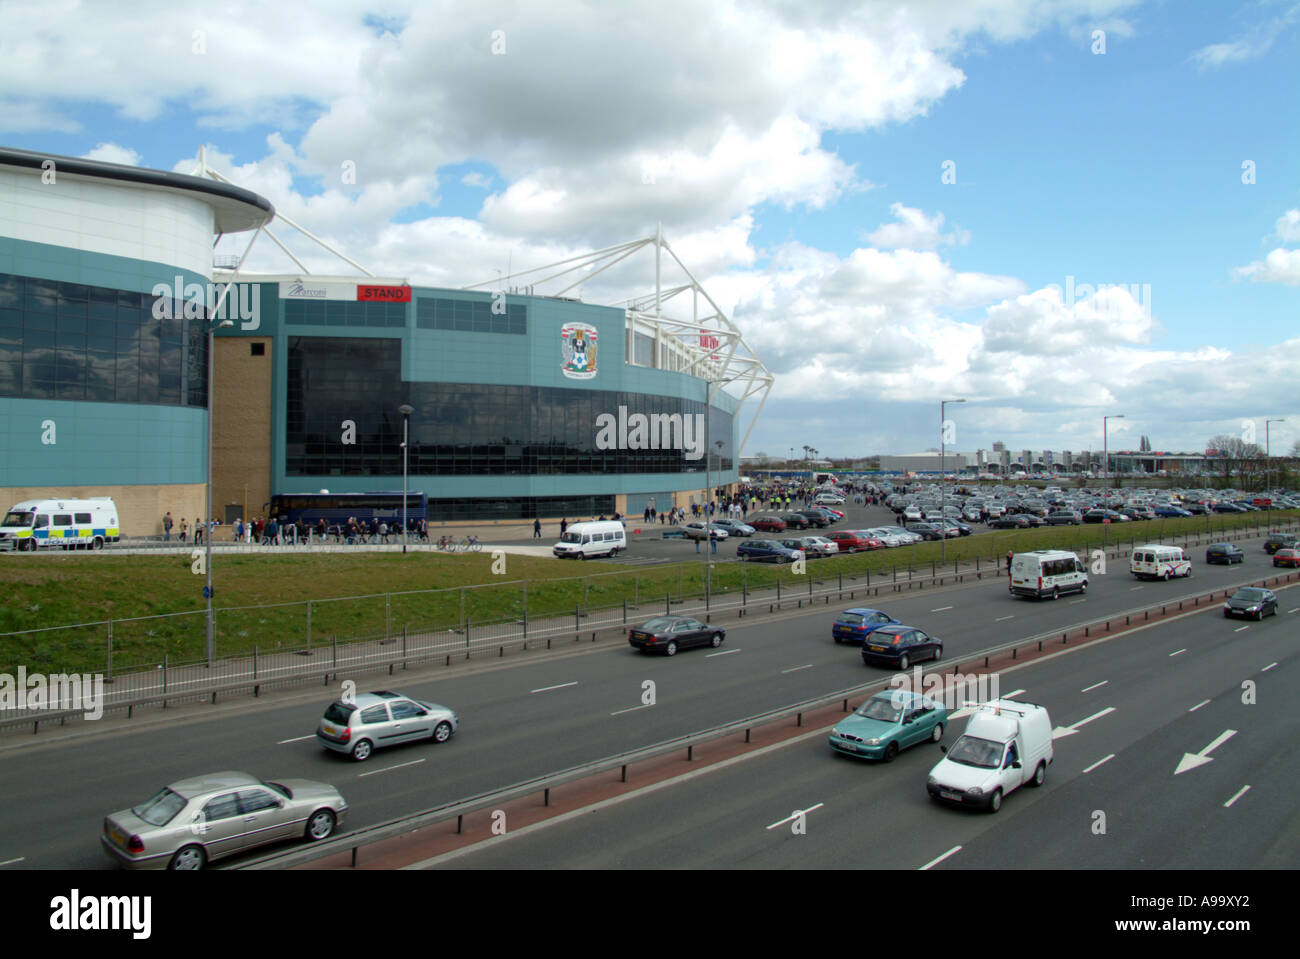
x=915 y=231
x=1280 y=266
x=1288 y=227
x=113 y=153
x=1255 y=43
x=477 y=180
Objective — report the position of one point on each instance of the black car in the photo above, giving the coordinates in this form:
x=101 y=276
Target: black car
x=1010 y=521
x=1224 y=553
x=667 y=634
x=1251 y=601
x=1064 y=517
x=926 y=531
x=1280 y=541
x=813 y=518
x=900 y=646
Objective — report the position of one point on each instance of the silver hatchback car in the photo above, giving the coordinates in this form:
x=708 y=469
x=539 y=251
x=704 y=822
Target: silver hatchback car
x=370 y=721
x=189 y=823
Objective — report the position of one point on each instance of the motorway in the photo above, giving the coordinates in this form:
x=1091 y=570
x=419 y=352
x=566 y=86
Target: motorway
x=541 y=712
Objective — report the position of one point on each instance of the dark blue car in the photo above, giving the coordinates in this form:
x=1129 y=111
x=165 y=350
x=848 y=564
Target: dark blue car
x=855 y=625
x=766 y=550
x=900 y=646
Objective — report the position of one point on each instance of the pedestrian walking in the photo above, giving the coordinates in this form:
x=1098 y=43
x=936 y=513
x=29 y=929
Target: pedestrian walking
x=167 y=528
x=537 y=529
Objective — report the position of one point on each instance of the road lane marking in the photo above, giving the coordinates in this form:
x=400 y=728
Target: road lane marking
x=1240 y=628
x=1241 y=792
x=298 y=740
x=632 y=709
x=1095 y=686
x=935 y=862
x=1296 y=610
x=725 y=652
x=386 y=769
x=1192 y=760
x=1105 y=759
x=1268 y=667
x=1133 y=589
x=796 y=815
x=1001 y=618
x=1204 y=702
x=1178 y=651
x=547 y=689
x=1070 y=730
x=941 y=609
x=1013 y=693
x=797 y=668
x=10 y=862
x=1078 y=601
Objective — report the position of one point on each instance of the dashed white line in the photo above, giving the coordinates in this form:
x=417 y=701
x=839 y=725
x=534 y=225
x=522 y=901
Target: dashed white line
x=935 y=862
x=1001 y=618
x=797 y=668
x=1240 y=792
x=298 y=740
x=1203 y=702
x=1077 y=602
x=1104 y=759
x=1095 y=686
x=1296 y=610
x=941 y=609
x=1178 y=651
x=725 y=652
x=1013 y=693
x=796 y=815
x=10 y=862
x=1133 y=589
x=1268 y=667
x=547 y=689
x=386 y=769
x=1240 y=628
x=632 y=709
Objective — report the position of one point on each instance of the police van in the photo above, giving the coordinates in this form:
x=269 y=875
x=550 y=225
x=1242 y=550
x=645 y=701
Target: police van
x=1154 y=561
x=69 y=523
x=583 y=540
x=1047 y=572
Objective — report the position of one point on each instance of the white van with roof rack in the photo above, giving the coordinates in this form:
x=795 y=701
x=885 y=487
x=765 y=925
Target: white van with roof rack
x=1047 y=572
x=1005 y=745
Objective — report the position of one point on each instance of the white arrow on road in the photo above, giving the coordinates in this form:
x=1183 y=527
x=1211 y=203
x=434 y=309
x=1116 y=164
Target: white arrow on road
x=1060 y=731
x=1192 y=760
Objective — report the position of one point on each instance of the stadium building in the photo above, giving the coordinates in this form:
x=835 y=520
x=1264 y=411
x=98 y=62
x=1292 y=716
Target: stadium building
x=516 y=404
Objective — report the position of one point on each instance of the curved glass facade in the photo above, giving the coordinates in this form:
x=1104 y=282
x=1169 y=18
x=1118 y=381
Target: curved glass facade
x=70 y=341
x=468 y=428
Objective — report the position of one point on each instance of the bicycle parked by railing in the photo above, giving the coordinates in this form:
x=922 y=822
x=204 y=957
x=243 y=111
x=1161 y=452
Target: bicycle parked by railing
x=468 y=544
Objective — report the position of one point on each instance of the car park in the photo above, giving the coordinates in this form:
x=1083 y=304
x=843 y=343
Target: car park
x=855 y=625
x=358 y=725
x=1251 y=601
x=888 y=722
x=204 y=818
x=668 y=634
x=900 y=646
x=1224 y=553
x=766 y=550
x=1006 y=744
x=1287 y=557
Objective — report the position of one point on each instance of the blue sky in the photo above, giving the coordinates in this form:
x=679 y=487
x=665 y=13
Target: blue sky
x=798 y=152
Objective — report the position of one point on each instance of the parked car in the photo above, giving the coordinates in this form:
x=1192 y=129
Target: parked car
x=1224 y=553
x=768 y=524
x=368 y=721
x=888 y=722
x=1277 y=541
x=1010 y=521
x=1065 y=517
x=851 y=540
x=795 y=520
x=766 y=550
x=855 y=625
x=735 y=527
x=814 y=547
x=197 y=820
x=927 y=531
x=697 y=530
x=900 y=646
x=667 y=634
x=1251 y=601
x=1287 y=557
x=1165 y=512
x=814 y=518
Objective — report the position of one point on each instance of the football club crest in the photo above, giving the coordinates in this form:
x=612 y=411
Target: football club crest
x=578 y=350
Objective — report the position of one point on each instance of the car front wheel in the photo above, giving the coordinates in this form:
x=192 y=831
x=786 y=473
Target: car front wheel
x=995 y=801
x=717 y=640
x=321 y=825
x=442 y=732
x=891 y=752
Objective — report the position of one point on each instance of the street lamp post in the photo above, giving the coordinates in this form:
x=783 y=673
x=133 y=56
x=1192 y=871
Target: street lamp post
x=1105 y=442
x=406 y=412
x=207 y=509
x=1268 y=471
x=943 y=512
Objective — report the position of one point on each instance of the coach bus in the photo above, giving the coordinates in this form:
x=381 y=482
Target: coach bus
x=308 y=509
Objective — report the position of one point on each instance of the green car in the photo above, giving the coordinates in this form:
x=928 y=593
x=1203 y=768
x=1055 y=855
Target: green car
x=887 y=722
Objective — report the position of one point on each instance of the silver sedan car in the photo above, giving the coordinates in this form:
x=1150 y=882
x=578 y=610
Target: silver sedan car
x=194 y=821
x=369 y=721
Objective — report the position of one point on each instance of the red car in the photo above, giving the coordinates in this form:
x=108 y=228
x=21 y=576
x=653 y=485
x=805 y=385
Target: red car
x=852 y=541
x=1287 y=557
x=768 y=524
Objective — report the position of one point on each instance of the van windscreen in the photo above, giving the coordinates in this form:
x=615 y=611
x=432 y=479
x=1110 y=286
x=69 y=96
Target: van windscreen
x=18 y=518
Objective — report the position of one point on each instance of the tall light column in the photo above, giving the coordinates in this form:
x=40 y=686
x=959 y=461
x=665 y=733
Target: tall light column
x=943 y=515
x=207 y=510
x=406 y=412
x=1105 y=442
x=1268 y=471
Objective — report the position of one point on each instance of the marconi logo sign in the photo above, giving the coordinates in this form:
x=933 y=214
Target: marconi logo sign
x=654 y=431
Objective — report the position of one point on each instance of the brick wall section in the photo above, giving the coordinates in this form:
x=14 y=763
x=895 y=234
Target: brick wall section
x=241 y=434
